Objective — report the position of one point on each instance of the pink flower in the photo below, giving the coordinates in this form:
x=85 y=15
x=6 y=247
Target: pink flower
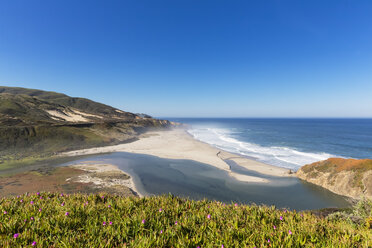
x=38 y=193
x=281 y=218
x=222 y=246
x=16 y=235
x=290 y=232
x=61 y=194
x=5 y=212
x=110 y=223
x=268 y=241
x=32 y=202
x=21 y=200
x=208 y=216
x=67 y=213
x=160 y=209
x=104 y=223
x=62 y=204
x=143 y=221
x=236 y=204
x=39 y=209
x=32 y=218
x=109 y=206
x=41 y=197
x=33 y=243
x=161 y=231
x=176 y=223
x=274 y=227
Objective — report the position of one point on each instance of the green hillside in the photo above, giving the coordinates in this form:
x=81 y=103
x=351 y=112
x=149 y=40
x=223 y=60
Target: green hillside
x=36 y=124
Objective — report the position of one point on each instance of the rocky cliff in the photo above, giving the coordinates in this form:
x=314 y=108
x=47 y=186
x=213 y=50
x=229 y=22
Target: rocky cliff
x=349 y=177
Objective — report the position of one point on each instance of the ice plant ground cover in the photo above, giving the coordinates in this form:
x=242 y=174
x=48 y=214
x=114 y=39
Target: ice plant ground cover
x=164 y=221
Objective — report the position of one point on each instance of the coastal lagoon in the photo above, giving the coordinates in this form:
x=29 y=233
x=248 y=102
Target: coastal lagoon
x=187 y=178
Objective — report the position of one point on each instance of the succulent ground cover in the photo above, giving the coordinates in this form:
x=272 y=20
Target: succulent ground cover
x=96 y=220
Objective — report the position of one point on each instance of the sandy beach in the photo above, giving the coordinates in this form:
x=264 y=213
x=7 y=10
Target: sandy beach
x=178 y=144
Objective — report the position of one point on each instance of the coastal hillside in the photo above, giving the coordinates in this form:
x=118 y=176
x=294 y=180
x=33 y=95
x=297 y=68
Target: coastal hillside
x=349 y=177
x=36 y=123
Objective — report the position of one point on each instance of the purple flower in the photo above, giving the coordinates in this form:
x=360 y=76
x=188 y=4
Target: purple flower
x=62 y=204
x=33 y=243
x=290 y=232
x=32 y=218
x=161 y=231
x=274 y=227
x=67 y=213
x=32 y=202
x=222 y=246
x=39 y=209
x=16 y=235
x=38 y=193
x=109 y=206
x=21 y=200
x=160 y=209
x=25 y=220
x=143 y=221
x=281 y=218
x=5 y=212
x=208 y=216
x=268 y=241
x=236 y=204
x=61 y=194
x=104 y=223
x=102 y=196
x=176 y=223
x=110 y=223
x=41 y=197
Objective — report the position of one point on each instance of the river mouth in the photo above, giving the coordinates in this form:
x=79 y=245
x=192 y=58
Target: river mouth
x=187 y=178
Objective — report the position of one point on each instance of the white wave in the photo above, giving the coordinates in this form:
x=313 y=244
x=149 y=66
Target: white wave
x=279 y=156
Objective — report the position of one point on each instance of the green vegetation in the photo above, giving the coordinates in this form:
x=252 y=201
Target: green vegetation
x=28 y=132
x=52 y=220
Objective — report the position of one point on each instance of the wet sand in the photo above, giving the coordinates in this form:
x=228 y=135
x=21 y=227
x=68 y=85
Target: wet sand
x=178 y=144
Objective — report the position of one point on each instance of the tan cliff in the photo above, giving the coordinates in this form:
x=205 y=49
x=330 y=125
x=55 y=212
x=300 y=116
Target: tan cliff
x=348 y=177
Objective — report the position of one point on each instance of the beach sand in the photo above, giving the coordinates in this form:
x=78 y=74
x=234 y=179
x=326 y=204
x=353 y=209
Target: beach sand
x=178 y=144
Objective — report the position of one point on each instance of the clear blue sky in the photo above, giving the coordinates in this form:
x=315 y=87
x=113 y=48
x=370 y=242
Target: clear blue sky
x=195 y=58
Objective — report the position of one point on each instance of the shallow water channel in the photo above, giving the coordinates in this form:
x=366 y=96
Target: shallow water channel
x=154 y=176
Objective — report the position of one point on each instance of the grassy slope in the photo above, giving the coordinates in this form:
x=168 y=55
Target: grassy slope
x=337 y=165
x=28 y=134
x=111 y=221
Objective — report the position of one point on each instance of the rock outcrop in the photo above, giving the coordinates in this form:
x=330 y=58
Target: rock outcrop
x=348 y=177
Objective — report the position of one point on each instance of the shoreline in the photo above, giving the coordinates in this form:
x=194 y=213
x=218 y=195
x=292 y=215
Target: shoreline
x=104 y=175
x=178 y=144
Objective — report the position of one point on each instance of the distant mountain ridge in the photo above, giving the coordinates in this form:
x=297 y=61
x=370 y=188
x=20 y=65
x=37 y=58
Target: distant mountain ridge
x=35 y=122
x=29 y=106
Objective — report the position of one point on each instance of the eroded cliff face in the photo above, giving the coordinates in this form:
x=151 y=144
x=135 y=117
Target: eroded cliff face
x=349 y=177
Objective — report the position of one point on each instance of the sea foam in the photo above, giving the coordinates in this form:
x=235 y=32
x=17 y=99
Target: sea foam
x=286 y=157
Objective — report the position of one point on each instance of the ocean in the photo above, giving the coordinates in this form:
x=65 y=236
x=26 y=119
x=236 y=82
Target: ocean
x=288 y=143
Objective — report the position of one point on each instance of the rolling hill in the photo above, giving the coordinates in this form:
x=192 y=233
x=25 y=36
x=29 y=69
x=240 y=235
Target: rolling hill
x=36 y=123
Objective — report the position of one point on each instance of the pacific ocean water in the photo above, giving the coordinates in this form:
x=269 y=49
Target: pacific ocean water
x=285 y=142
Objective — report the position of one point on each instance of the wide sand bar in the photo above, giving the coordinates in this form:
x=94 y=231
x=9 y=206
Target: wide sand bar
x=178 y=144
